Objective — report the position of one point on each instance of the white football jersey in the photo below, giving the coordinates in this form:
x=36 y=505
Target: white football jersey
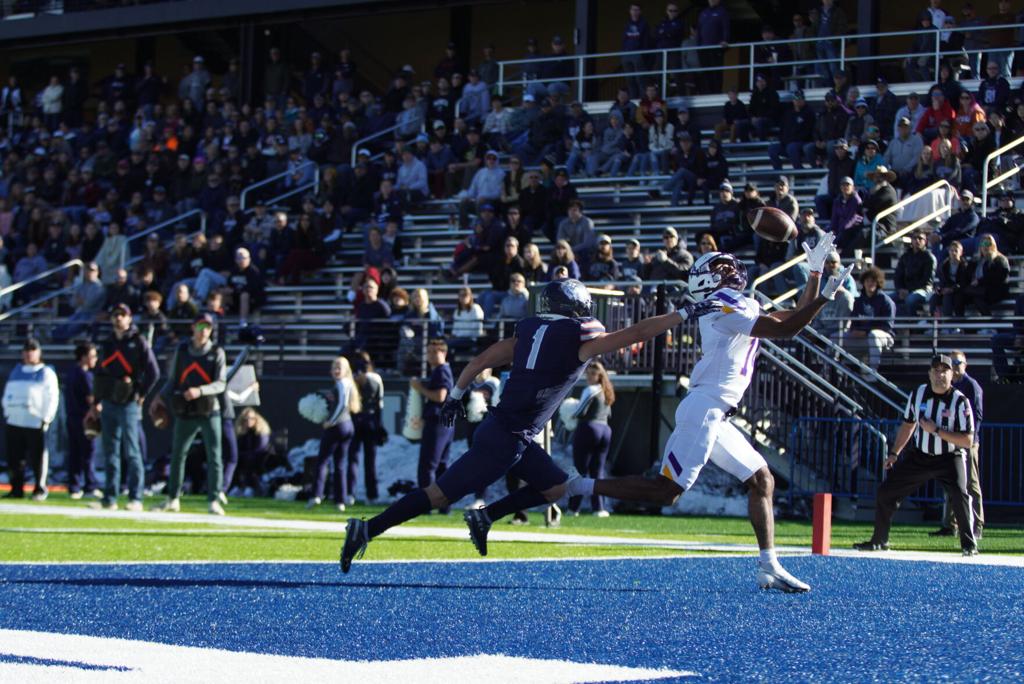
x=727 y=349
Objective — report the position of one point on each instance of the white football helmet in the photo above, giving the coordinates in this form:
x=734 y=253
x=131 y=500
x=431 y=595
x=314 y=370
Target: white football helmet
x=713 y=271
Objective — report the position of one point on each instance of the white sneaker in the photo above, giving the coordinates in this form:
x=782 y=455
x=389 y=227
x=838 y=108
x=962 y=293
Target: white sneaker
x=341 y=508
x=134 y=506
x=601 y=514
x=350 y=500
x=222 y=498
x=216 y=508
x=39 y=496
x=313 y=502
x=169 y=506
x=75 y=496
x=774 y=576
x=100 y=506
x=479 y=503
x=96 y=494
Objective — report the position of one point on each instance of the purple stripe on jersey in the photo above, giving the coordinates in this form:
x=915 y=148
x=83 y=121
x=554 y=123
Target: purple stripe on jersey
x=747 y=362
x=675 y=464
x=724 y=296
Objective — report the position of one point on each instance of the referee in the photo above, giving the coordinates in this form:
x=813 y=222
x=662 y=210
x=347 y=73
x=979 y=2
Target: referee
x=946 y=432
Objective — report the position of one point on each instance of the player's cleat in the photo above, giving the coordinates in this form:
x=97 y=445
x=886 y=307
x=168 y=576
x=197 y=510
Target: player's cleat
x=357 y=536
x=101 y=506
x=39 y=496
x=973 y=551
x=552 y=516
x=95 y=494
x=942 y=532
x=169 y=506
x=774 y=576
x=133 y=506
x=519 y=518
x=216 y=508
x=871 y=546
x=479 y=525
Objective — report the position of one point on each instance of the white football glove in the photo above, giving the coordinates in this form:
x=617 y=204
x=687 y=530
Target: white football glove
x=835 y=282
x=816 y=257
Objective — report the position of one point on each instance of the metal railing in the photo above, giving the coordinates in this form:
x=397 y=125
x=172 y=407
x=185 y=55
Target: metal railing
x=48 y=273
x=663 y=72
x=987 y=182
x=50 y=296
x=914 y=224
x=278 y=178
x=846 y=456
x=358 y=145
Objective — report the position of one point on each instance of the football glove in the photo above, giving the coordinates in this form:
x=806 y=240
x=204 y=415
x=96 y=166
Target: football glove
x=835 y=282
x=451 y=410
x=816 y=256
x=692 y=311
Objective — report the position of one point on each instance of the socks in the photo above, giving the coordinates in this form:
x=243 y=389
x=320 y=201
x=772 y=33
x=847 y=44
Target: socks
x=519 y=500
x=768 y=556
x=408 y=507
x=580 y=486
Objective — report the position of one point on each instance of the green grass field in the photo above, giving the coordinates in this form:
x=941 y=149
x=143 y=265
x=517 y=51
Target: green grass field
x=28 y=537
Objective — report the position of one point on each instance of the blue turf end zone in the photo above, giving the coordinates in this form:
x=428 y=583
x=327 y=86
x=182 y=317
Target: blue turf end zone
x=864 y=621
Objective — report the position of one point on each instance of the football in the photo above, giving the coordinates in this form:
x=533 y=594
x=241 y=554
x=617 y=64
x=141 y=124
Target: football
x=159 y=414
x=772 y=224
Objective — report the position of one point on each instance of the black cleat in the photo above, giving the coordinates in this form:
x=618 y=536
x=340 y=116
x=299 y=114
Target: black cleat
x=356 y=538
x=871 y=546
x=479 y=525
x=942 y=532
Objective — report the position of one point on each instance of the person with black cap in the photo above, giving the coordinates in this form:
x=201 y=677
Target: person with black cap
x=939 y=420
x=763 y=108
x=797 y=131
x=880 y=197
x=126 y=374
x=196 y=378
x=30 y=401
x=725 y=214
x=829 y=128
x=884 y=106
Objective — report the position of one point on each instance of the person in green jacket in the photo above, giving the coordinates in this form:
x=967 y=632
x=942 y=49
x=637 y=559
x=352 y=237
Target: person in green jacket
x=195 y=382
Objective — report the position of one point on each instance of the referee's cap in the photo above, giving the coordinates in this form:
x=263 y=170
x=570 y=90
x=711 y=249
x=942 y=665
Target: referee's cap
x=942 y=359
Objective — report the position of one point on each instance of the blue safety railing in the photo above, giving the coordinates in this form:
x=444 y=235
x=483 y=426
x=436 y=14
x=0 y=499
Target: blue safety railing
x=845 y=457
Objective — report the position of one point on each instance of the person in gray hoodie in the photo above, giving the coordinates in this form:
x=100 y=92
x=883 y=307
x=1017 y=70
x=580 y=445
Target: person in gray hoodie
x=613 y=142
x=903 y=151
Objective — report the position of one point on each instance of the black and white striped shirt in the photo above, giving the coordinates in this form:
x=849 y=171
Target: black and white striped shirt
x=950 y=412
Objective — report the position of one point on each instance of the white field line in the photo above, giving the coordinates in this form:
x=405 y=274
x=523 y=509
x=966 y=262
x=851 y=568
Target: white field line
x=338 y=528
x=87 y=659
x=255 y=525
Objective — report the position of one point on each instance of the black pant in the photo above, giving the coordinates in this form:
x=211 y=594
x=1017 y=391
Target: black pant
x=26 y=444
x=367 y=426
x=912 y=471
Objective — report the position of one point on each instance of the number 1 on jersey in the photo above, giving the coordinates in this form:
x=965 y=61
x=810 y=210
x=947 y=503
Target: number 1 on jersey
x=538 y=337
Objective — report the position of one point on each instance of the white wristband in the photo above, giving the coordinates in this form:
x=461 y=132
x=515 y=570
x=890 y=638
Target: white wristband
x=456 y=393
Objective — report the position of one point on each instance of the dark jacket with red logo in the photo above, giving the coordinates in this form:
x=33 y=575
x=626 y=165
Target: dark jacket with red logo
x=127 y=357
x=205 y=368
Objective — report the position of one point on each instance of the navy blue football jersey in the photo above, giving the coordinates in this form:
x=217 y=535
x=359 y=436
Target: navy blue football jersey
x=545 y=367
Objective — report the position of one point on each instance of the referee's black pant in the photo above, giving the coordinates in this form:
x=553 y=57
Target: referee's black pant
x=907 y=476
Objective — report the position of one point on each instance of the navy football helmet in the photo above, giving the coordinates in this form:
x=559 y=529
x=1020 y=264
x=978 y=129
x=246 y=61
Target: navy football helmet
x=566 y=297
x=713 y=271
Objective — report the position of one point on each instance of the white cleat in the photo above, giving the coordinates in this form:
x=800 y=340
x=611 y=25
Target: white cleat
x=169 y=506
x=774 y=576
x=133 y=506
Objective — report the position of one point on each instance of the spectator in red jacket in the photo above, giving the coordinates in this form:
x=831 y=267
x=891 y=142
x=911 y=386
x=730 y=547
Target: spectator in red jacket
x=940 y=111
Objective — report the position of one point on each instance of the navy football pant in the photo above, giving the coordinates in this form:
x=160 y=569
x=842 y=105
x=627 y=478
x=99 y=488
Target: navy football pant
x=496 y=452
